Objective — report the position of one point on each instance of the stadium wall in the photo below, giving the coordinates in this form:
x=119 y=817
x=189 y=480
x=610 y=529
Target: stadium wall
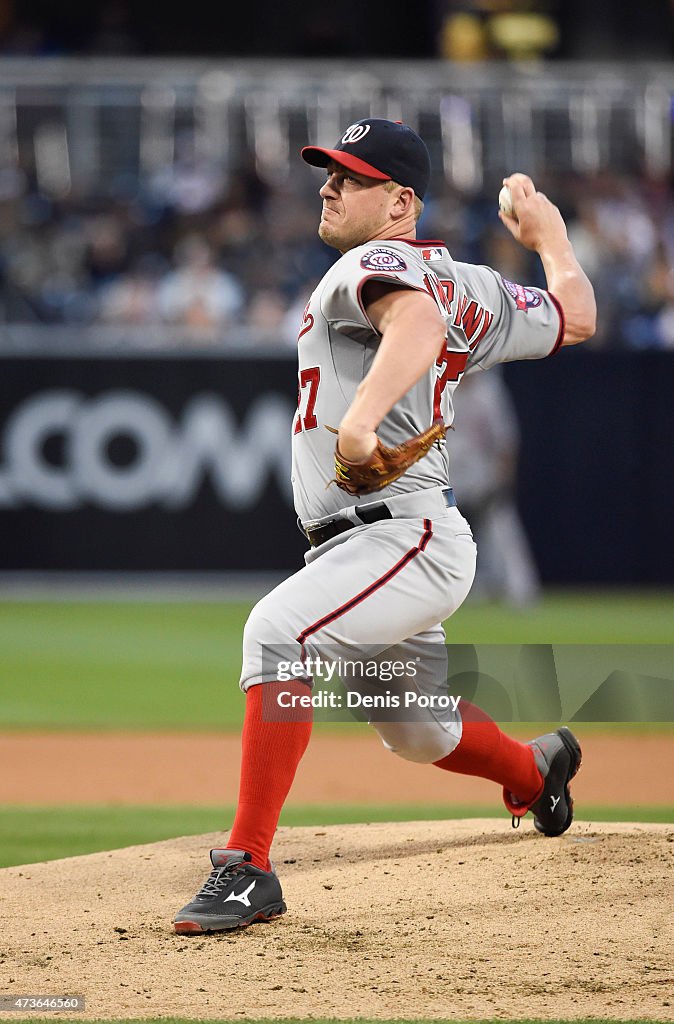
x=182 y=463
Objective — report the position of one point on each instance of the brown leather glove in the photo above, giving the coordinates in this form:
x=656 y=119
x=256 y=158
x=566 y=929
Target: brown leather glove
x=384 y=464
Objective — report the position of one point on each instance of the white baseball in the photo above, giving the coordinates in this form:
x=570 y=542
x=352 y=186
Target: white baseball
x=505 y=202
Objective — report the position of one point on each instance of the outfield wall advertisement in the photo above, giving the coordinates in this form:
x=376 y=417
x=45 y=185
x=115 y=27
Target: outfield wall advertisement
x=147 y=464
x=184 y=464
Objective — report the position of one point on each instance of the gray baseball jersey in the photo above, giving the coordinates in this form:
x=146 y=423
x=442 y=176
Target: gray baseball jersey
x=489 y=320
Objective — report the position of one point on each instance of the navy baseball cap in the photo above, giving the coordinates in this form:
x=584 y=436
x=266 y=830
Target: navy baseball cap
x=382 y=149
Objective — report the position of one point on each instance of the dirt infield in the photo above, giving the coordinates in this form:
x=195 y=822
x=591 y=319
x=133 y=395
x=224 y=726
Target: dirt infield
x=460 y=919
x=107 y=768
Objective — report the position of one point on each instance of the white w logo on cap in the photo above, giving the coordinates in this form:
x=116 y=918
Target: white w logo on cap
x=355 y=132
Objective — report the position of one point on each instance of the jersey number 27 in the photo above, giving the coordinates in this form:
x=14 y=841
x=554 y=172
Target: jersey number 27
x=307 y=393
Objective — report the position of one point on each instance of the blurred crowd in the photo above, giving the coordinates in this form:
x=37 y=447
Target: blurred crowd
x=203 y=252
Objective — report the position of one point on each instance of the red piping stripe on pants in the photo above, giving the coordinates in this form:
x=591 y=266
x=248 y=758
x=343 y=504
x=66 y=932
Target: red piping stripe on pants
x=373 y=587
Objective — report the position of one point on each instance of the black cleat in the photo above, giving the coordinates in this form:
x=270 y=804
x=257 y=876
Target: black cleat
x=234 y=895
x=557 y=756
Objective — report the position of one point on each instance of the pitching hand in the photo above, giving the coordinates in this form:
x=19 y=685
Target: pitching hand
x=539 y=224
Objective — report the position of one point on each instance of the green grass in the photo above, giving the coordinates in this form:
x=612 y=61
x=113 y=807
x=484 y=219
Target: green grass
x=120 y=665
x=107 y=665
x=565 y=617
x=31 y=834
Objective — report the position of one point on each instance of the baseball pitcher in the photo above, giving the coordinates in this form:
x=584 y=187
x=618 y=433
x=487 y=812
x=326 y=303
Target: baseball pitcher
x=384 y=341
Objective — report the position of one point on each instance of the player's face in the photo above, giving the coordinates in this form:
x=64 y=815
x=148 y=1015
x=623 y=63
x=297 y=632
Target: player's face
x=355 y=208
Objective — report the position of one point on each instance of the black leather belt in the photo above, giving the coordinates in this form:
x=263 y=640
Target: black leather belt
x=367 y=514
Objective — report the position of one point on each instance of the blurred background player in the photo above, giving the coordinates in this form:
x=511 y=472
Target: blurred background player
x=483 y=454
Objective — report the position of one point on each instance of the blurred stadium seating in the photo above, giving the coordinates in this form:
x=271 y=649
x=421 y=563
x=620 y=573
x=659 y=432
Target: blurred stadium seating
x=161 y=203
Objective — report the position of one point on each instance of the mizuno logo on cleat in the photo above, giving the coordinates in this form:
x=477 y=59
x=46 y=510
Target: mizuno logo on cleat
x=554 y=800
x=241 y=897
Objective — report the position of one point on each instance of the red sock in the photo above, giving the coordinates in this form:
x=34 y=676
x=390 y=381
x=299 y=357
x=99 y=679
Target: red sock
x=270 y=753
x=487 y=752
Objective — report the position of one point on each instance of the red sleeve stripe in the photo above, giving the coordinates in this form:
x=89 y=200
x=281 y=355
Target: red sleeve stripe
x=373 y=587
x=562 y=324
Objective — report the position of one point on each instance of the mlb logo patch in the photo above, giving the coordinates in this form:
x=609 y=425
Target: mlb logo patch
x=430 y=255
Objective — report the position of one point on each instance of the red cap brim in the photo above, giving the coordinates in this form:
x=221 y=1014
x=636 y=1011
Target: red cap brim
x=318 y=157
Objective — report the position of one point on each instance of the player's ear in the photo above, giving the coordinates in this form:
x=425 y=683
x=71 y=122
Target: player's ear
x=403 y=204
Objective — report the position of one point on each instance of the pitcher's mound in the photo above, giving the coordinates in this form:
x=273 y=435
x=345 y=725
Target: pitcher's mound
x=457 y=919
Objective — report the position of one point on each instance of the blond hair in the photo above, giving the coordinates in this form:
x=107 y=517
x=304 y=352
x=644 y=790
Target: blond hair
x=389 y=186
